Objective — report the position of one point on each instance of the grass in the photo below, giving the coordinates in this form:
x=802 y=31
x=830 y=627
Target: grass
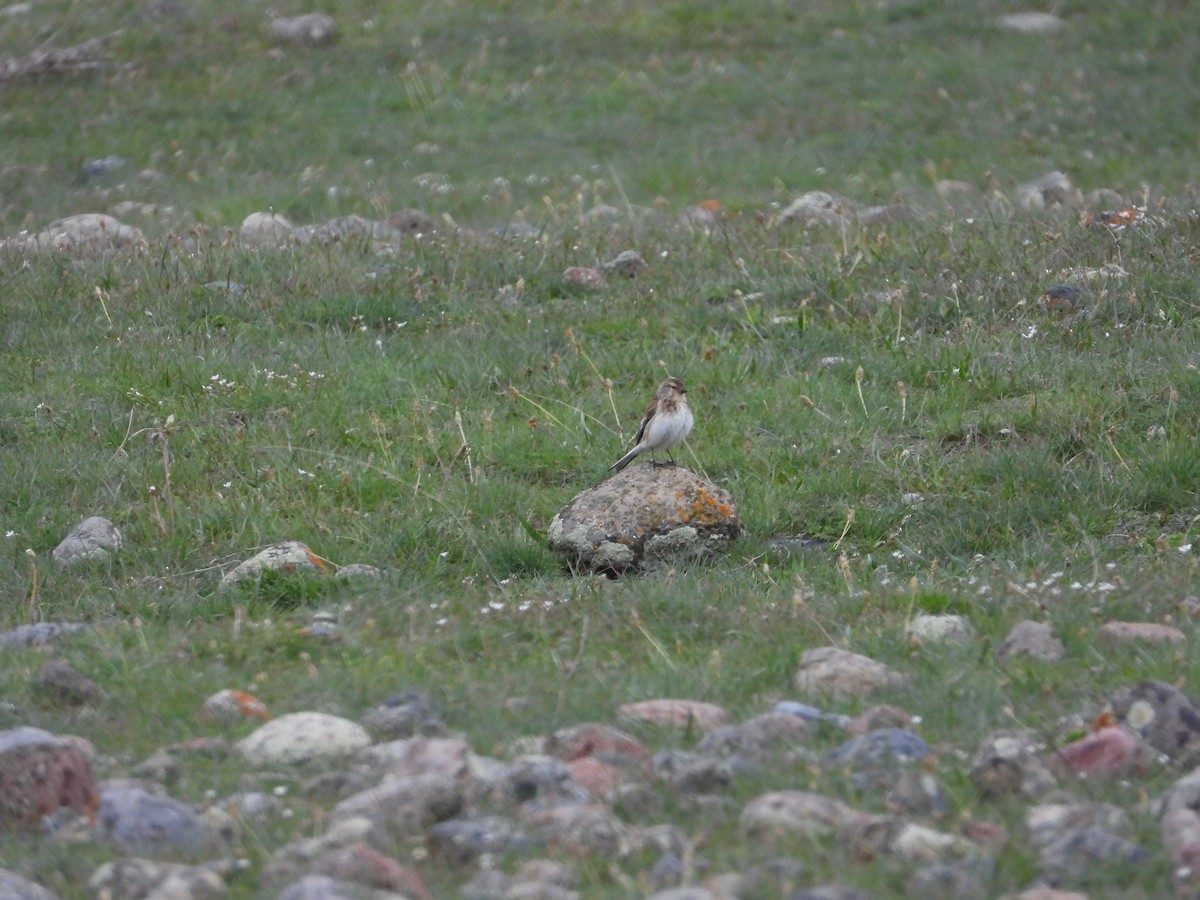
x=893 y=390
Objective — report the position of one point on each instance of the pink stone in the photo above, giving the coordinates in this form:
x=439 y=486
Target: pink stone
x=1111 y=752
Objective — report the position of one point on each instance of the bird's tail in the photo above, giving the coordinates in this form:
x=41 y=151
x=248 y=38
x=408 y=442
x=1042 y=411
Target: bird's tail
x=625 y=460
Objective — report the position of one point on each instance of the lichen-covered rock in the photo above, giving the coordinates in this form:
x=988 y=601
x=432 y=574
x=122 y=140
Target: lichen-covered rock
x=286 y=557
x=93 y=538
x=303 y=737
x=645 y=517
x=128 y=878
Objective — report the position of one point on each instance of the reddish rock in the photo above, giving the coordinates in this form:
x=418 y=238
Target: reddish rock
x=602 y=741
x=1138 y=632
x=362 y=864
x=1114 y=752
x=677 y=713
x=39 y=777
x=598 y=777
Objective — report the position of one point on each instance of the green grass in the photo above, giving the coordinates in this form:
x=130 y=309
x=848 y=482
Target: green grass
x=429 y=411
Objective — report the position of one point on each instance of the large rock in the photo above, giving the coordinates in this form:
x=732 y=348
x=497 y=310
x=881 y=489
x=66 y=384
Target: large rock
x=645 y=517
x=303 y=737
x=39 y=774
x=93 y=538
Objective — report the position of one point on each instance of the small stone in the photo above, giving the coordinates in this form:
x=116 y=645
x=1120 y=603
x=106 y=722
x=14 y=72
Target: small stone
x=927 y=629
x=949 y=881
x=322 y=887
x=93 y=538
x=303 y=737
x=106 y=165
x=585 y=276
x=1045 y=893
x=1114 y=633
x=149 y=878
x=794 y=814
x=1180 y=830
x=601 y=741
x=830 y=892
x=684 y=714
x=285 y=557
x=232 y=707
x=160 y=767
x=39 y=634
x=1033 y=640
x=59 y=683
x=1115 y=752
x=840 y=673
x=291 y=861
x=267 y=230
x=684 y=893
x=1009 y=762
x=81 y=235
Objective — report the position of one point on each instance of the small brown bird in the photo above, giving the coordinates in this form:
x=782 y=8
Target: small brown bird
x=667 y=421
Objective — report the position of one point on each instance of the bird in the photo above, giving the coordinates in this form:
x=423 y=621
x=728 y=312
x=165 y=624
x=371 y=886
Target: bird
x=667 y=421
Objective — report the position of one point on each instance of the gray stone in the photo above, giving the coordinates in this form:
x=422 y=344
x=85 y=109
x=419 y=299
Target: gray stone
x=1032 y=22
x=760 y=739
x=285 y=557
x=85 y=234
x=839 y=673
x=139 y=822
x=544 y=779
x=322 y=887
x=1034 y=640
x=93 y=538
x=39 y=633
x=59 y=683
x=1050 y=191
x=928 y=629
x=1048 y=822
x=405 y=715
x=644 y=518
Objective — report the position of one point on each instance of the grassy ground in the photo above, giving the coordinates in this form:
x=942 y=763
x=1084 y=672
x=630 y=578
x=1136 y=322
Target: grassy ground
x=835 y=373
